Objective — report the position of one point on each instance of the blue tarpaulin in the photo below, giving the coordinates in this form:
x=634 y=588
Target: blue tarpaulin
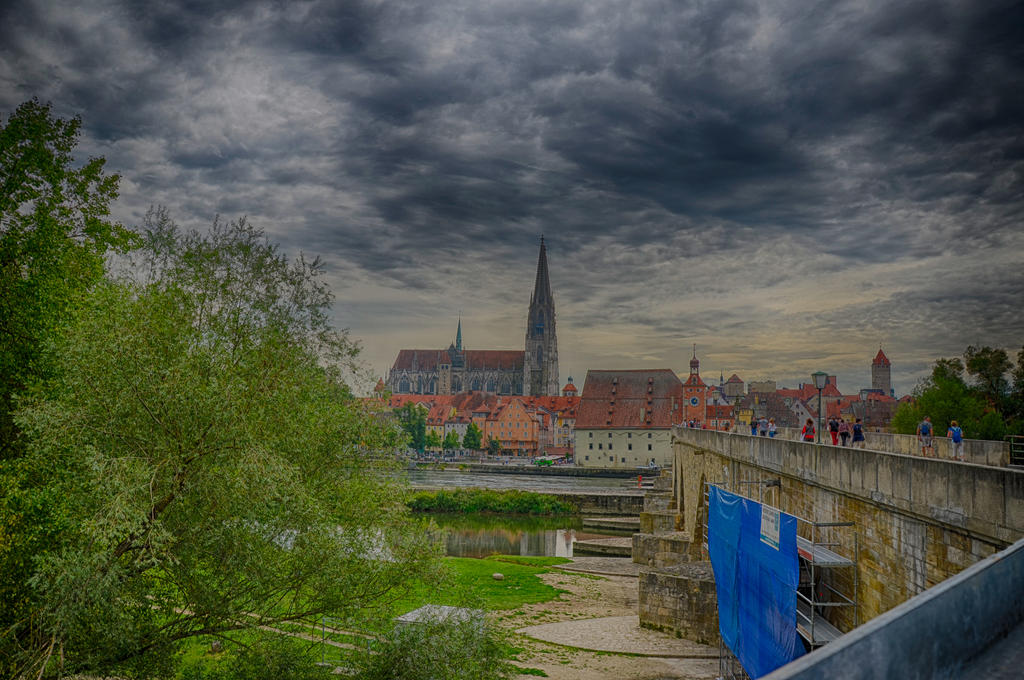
x=753 y=553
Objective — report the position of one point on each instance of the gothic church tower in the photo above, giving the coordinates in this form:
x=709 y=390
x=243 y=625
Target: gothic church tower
x=540 y=364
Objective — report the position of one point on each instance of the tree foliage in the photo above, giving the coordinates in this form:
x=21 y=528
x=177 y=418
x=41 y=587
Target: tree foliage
x=473 y=439
x=209 y=466
x=451 y=441
x=975 y=392
x=54 y=233
x=493 y=446
x=433 y=440
x=413 y=419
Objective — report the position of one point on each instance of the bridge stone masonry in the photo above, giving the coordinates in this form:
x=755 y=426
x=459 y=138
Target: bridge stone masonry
x=918 y=520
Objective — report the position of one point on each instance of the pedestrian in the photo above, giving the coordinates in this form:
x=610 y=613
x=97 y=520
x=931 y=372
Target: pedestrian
x=844 y=430
x=858 y=435
x=807 y=434
x=762 y=426
x=833 y=429
x=957 y=437
x=771 y=427
x=924 y=435
x=753 y=426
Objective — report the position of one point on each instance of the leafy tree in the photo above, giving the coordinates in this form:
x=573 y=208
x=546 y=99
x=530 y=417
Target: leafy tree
x=451 y=441
x=215 y=470
x=473 y=439
x=493 y=446
x=414 y=421
x=989 y=368
x=54 y=233
x=433 y=440
x=945 y=396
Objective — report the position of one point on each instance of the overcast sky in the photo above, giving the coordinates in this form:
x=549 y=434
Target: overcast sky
x=786 y=184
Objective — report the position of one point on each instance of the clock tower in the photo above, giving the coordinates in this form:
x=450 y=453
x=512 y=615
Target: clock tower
x=694 y=392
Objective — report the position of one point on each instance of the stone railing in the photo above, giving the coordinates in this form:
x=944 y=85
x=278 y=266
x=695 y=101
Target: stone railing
x=977 y=451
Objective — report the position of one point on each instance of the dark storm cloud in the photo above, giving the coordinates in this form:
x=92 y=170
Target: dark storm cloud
x=691 y=163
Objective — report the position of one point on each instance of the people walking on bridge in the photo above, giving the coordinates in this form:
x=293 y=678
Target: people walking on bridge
x=924 y=435
x=807 y=434
x=771 y=427
x=833 y=429
x=753 y=426
x=858 y=434
x=844 y=431
x=762 y=426
x=957 y=436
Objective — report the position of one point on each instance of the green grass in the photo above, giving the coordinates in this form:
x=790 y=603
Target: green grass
x=507 y=502
x=471 y=584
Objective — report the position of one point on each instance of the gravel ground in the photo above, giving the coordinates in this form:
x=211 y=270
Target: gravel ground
x=592 y=632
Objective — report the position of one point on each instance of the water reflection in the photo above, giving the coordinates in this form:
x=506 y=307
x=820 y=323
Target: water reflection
x=479 y=536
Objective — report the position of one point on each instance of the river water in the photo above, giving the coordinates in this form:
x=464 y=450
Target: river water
x=483 y=535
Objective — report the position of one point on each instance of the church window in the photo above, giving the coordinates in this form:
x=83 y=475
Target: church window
x=491 y=385
x=403 y=386
x=433 y=386
x=540 y=354
x=456 y=384
x=506 y=387
x=476 y=384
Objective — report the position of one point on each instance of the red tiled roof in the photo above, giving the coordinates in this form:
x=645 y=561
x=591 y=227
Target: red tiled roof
x=428 y=359
x=630 y=399
x=734 y=379
x=880 y=359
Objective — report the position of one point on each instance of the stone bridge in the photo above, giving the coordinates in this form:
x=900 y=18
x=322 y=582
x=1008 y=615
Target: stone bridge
x=918 y=520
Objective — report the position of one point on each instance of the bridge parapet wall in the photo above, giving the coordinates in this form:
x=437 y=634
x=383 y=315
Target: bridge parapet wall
x=978 y=451
x=920 y=520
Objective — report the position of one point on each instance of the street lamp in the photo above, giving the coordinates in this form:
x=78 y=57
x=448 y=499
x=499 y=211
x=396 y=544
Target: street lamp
x=820 y=379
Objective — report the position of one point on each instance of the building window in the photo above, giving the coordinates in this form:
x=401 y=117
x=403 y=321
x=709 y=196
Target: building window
x=629 y=446
x=648 y=447
x=623 y=459
x=600 y=446
x=609 y=435
x=586 y=457
x=591 y=447
x=648 y=435
x=590 y=434
x=609 y=446
x=629 y=435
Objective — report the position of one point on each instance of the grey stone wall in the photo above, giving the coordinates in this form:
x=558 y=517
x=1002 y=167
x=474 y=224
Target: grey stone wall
x=680 y=600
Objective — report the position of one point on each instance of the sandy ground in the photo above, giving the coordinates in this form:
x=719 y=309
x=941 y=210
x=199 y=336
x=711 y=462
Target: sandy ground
x=597 y=599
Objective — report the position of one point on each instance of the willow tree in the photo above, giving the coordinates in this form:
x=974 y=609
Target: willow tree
x=214 y=470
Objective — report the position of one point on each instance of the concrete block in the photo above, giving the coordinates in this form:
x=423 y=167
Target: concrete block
x=1013 y=499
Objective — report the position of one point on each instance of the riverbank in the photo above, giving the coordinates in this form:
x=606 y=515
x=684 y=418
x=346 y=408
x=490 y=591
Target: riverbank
x=591 y=631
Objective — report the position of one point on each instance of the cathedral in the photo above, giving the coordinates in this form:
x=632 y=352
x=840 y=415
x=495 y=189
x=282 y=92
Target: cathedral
x=532 y=371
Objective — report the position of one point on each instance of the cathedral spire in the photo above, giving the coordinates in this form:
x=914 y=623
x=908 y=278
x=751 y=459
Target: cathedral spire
x=458 y=336
x=542 y=286
x=540 y=364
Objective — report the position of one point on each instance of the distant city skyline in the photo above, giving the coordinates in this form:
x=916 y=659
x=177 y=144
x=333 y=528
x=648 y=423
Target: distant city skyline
x=789 y=187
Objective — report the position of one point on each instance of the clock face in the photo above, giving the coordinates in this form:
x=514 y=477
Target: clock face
x=694 y=401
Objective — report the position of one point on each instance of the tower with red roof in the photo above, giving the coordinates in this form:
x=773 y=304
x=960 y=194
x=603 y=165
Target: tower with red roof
x=881 y=373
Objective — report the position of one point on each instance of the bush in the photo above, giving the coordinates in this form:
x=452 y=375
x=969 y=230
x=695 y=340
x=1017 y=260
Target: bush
x=510 y=502
x=439 y=650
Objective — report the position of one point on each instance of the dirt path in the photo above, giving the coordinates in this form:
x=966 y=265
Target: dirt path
x=592 y=633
